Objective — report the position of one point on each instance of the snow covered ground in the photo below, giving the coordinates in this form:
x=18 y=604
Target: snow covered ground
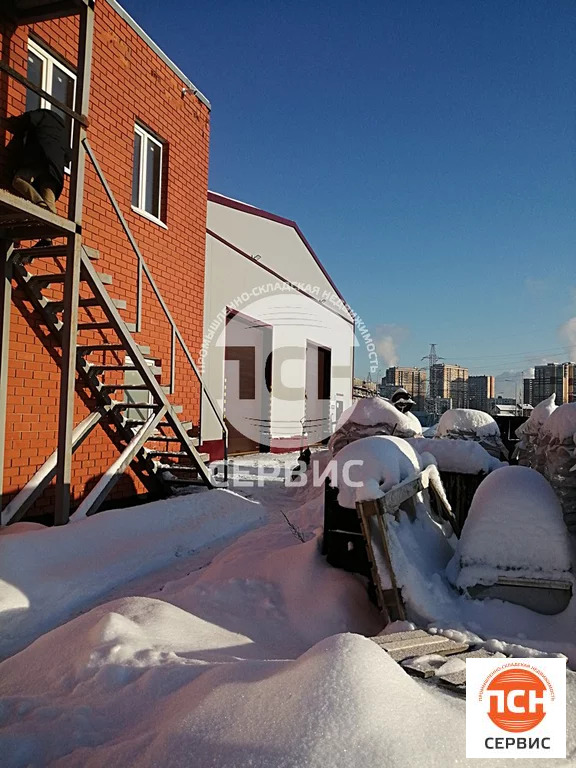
x=207 y=631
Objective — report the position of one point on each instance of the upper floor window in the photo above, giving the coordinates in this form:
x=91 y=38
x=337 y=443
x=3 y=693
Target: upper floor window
x=147 y=174
x=53 y=77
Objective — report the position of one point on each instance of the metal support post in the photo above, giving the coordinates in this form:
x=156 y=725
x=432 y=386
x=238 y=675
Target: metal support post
x=5 y=305
x=72 y=280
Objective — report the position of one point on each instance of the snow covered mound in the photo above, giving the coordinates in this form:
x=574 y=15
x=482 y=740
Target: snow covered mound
x=372 y=416
x=460 y=420
x=463 y=456
x=561 y=423
x=369 y=467
x=154 y=704
x=543 y=410
x=47 y=573
x=514 y=525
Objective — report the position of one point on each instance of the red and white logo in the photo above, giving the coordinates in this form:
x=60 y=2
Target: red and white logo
x=515 y=708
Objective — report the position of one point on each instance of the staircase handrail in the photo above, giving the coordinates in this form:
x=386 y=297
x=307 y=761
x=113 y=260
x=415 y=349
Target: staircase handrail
x=175 y=332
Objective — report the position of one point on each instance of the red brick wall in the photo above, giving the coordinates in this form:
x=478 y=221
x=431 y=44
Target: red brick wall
x=129 y=82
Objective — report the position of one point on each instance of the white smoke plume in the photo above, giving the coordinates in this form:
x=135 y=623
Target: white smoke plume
x=568 y=333
x=387 y=339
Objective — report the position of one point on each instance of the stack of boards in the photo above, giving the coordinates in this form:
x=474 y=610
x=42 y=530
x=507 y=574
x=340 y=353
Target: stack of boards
x=424 y=655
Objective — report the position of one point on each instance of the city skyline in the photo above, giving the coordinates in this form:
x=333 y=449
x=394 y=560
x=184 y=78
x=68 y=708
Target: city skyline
x=427 y=150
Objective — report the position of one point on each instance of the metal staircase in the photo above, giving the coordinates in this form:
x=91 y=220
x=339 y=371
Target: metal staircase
x=148 y=433
x=93 y=346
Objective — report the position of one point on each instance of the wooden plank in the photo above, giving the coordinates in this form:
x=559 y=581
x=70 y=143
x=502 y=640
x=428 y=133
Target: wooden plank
x=442 y=647
x=394 y=637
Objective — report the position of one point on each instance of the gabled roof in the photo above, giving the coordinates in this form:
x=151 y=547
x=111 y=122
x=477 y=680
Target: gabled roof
x=238 y=205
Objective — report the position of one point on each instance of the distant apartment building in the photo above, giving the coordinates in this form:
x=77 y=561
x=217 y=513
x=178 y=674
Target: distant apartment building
x=529 y=391
x=480 y=392
x=412 y=379
x=554 y=378
x=449 y=381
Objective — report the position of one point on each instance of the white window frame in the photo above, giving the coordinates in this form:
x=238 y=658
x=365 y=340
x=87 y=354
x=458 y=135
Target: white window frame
x=145 y=138
x=48 y=62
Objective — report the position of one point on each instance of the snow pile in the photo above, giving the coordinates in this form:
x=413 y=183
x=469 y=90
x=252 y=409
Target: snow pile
x=372 y=416
x=367 y=468
x=163 y=706
x=529 y=432
x=556 y=458
x=462 y=456
x=469 y=424
x=46 y=574
x=515 y=528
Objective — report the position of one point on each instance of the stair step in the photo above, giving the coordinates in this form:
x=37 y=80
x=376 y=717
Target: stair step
x=58 y=306
x=170 y=455
x=179 y=454
x=95 y=326
x=186 y=425
x=152 y=368
x=137 y=387
x=60 y=276
x=145 y=406
x=164 y=439
x=54 y=252
x=86 y=349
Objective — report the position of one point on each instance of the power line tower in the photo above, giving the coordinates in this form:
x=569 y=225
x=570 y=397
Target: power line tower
x=433 y=359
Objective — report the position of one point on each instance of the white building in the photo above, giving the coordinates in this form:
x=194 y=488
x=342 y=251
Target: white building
x=278 y=352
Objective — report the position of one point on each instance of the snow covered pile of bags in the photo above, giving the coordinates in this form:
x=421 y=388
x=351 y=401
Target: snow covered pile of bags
x=555 y=457
x=529 y=433
x=372 y=416
x=469 y=424
x=514 y=525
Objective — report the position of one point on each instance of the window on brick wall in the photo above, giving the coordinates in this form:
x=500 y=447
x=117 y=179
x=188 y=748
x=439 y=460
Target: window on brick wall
x=147 y=174
x=54 y=78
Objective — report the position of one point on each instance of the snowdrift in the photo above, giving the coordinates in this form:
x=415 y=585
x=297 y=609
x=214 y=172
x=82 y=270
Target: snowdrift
x=48 y=573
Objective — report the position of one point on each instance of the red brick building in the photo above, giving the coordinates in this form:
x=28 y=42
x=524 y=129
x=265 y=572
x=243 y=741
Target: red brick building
x=148 y=127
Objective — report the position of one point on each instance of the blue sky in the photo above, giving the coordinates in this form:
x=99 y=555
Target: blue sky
x=426 y=149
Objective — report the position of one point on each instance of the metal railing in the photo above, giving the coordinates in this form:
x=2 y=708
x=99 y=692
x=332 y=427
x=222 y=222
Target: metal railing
x=175 y=335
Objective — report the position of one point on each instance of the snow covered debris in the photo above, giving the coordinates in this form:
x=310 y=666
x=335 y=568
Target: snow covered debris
x=544 y=410
x=469 y=424
x=459 y=420
x=529 y=433
x=369 y=467
x=372 y=416
x=48 y=573
x=561 y=423
x=556 y=458
x=514 y=527
x=463 y=456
